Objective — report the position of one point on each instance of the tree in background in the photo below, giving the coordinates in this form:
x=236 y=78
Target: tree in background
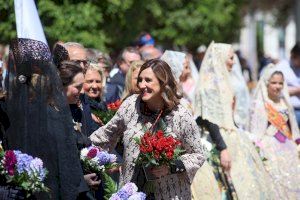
x=113 y=24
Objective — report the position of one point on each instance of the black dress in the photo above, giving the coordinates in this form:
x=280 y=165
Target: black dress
x=40 y=119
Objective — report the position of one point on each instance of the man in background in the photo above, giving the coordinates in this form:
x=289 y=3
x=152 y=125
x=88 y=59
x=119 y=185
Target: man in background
x=116 y=81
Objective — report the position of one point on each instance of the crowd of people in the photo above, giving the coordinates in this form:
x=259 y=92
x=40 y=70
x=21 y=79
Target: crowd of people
x=236 y=144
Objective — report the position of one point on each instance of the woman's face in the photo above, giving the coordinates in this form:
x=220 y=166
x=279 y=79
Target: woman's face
x=186 y=72
x=134 y=78
x=73 y=90
x=230 y=61
x=275 y=86
x=92 y=84
x=149 y=86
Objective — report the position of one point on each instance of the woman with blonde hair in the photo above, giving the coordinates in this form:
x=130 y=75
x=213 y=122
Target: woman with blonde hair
x=131 y=79
x=91 y=97
x=276 y=133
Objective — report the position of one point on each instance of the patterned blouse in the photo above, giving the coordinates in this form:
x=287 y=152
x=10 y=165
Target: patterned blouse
x=129 y=123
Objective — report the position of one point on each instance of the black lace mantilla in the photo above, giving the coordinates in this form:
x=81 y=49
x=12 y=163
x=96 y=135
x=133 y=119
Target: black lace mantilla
x=28 y=50
x=60 y=54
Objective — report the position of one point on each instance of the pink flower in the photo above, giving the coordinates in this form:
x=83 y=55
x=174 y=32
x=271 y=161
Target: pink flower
x=9 y=162
x=92 y=153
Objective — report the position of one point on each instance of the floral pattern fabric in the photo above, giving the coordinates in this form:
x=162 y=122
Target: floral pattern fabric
x=129 y=123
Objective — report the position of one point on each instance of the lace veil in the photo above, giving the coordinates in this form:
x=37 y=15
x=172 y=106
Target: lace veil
x=214 y=95
x=241 y=92
x=258 y=113
x=175 y=60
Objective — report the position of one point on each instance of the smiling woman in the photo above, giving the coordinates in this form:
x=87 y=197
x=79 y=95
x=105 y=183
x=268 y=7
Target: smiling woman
x=158 y=86
x=72 y=78
x=158 y=103
x=91 y=97
x=71 y=74
x=93 y=80
x=131 y=79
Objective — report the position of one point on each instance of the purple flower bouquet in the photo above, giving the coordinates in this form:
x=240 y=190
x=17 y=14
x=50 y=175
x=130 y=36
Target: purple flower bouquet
x=128 y=192
x=23 y=171
x=95 y=160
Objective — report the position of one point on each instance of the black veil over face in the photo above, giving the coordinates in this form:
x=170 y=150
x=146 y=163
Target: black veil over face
x=40 y=120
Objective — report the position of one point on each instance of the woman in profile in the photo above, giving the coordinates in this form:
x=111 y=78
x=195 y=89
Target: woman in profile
x=132 y=78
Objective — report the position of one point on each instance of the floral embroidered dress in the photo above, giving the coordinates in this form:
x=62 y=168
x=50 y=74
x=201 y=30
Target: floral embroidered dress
x=214 y=102
x=275 y=131
x=129 y=122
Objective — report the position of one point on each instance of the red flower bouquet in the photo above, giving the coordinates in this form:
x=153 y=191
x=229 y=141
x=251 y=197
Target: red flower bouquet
x=158 y=149
x=106 y=116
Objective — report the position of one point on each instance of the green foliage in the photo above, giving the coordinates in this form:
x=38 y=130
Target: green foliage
x=73 y=22
x=7 y=21
x=178 y=152
x=113 y=24
x=109 y=185
x=104 y=116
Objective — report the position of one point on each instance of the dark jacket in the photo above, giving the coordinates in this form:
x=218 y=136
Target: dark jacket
x=115 y=87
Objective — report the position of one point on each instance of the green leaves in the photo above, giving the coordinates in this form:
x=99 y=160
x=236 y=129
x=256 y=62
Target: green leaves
x=178 y=152
x=137 y=140
x=112 y=24
x=73 y=22
x=109 y=185
x=105 y=116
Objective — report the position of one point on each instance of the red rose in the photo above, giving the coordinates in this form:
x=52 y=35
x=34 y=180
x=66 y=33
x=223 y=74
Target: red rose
x=92 y=153
x=170 y=154
x=112 y=107
x=118 y=103
x=160 y=144
x=153 y=141
x=149 y=148
x=146 y=136
x=143 y=149
x=160 y=134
